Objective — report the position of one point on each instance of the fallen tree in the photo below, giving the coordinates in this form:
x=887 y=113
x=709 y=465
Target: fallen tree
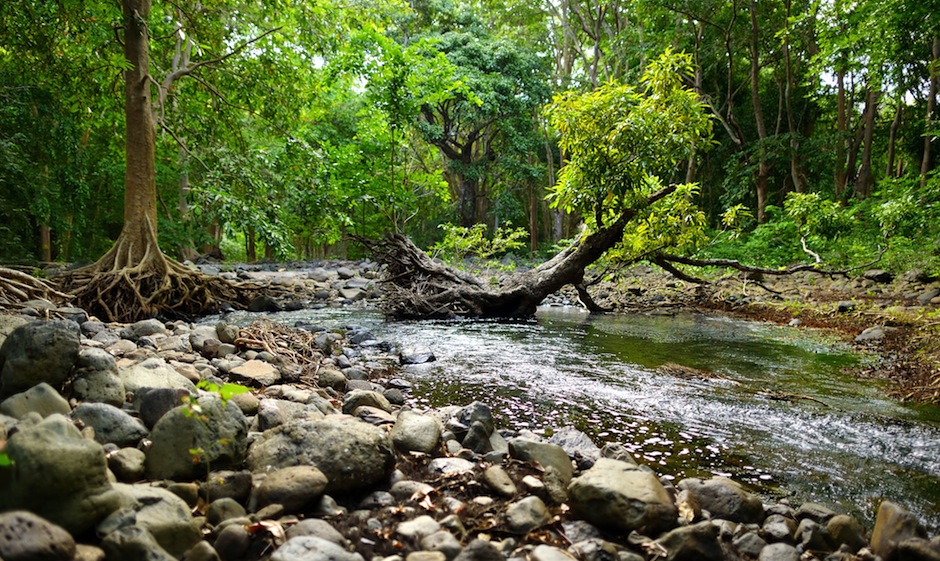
x=622 y=145
x=620 y=142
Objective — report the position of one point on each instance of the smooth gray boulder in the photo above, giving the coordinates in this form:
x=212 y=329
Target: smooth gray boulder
x=317 y=528
x=414 y=432
x=312 y=548
x=41 y=399
x=164 y=515
x=893 y=525
x=40 y=351
x=725 y=499
x=698 y=542
x=186 y=442
x=779 y=552
x=27 y=537
x=364 y=398
x=846 y=530
x=143 y=328
x=153 y=373
x=544 y=454
x=618 y=495
x=133 y=543
x=58 y=475
x=526 y=515
x=256 y=373
x=111 y=425
x=292 y=487
x=352 y=454
x=577 y=445
x=96 y=378
x=127 y=464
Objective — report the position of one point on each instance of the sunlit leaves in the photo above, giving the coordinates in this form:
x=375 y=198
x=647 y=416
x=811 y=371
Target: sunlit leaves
x=617 y=138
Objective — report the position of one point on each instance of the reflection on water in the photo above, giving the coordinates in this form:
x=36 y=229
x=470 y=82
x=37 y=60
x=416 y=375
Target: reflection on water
x=840 y=442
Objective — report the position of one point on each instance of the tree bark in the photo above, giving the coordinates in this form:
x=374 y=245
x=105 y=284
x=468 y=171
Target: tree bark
x=762 y=178
x=865 y=179
x=926 y=164
x=140 y=190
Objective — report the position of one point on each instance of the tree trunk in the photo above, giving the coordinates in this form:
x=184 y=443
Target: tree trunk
x=929 y=136
x=796 y=174
x=134 y=279
x=865 y=179
x=140 y=190
x=45 y=242
x=840 y=175
x=763 y=165
x=893 y=138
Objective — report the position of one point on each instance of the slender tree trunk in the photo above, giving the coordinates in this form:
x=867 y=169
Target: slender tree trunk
x=865 y=179
x=893 y=138
x=796 y=173
x=251 y=250
x=45 y=242
x=763 y=165
x=926 y=164
x=841 y=168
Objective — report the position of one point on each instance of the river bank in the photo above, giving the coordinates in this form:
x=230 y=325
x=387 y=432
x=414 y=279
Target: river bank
x=322 y=454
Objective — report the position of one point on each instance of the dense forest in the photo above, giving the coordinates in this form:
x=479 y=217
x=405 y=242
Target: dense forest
x=282 y=127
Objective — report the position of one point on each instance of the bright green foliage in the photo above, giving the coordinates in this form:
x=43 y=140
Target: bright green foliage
x=226 y=391
x=618 y=140
x=622 y=145
x=460 y=242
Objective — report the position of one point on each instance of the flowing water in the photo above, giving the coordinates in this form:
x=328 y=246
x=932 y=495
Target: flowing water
x=839 y=440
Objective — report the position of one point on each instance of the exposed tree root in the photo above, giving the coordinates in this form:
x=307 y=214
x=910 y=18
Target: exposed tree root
x=124 y=287
x=17 y=287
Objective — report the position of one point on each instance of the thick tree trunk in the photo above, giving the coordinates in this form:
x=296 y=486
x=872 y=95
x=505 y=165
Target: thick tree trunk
x=140 y=190
x=134 y=279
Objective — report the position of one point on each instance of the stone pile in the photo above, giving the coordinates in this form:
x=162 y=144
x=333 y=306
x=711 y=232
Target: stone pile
x=116 y=451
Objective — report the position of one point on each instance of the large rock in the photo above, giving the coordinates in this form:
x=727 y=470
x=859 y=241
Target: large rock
x=27 y=537
x=725 y=499
x=41 y=351
x=352 y=454
x=577 y=445
x=893 y=525
x=153 y=373
x=416 y=433
x=621 y=496
x=96 y=378
x=42 y=399
x=698 y=542
x=133 y=543
x=111 y=425
x=310 y=548
x=164 y=515
x=292 y=487
x=58 y=475
x=186 y=441
x=544 y=454
x=256 y=373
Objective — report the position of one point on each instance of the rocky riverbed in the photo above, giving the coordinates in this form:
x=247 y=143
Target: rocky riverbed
x=123 y=442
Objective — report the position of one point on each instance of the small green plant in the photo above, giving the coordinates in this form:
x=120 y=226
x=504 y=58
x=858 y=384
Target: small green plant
x=5 y=460
x=192 y=409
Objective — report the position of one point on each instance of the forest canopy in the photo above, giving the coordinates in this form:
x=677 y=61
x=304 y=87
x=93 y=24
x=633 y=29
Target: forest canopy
x=282 y=128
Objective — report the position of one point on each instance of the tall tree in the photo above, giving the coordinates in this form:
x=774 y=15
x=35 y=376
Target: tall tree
x=135 y=279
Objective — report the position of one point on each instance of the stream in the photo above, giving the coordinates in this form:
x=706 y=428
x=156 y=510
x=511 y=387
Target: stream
x=840 y=441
